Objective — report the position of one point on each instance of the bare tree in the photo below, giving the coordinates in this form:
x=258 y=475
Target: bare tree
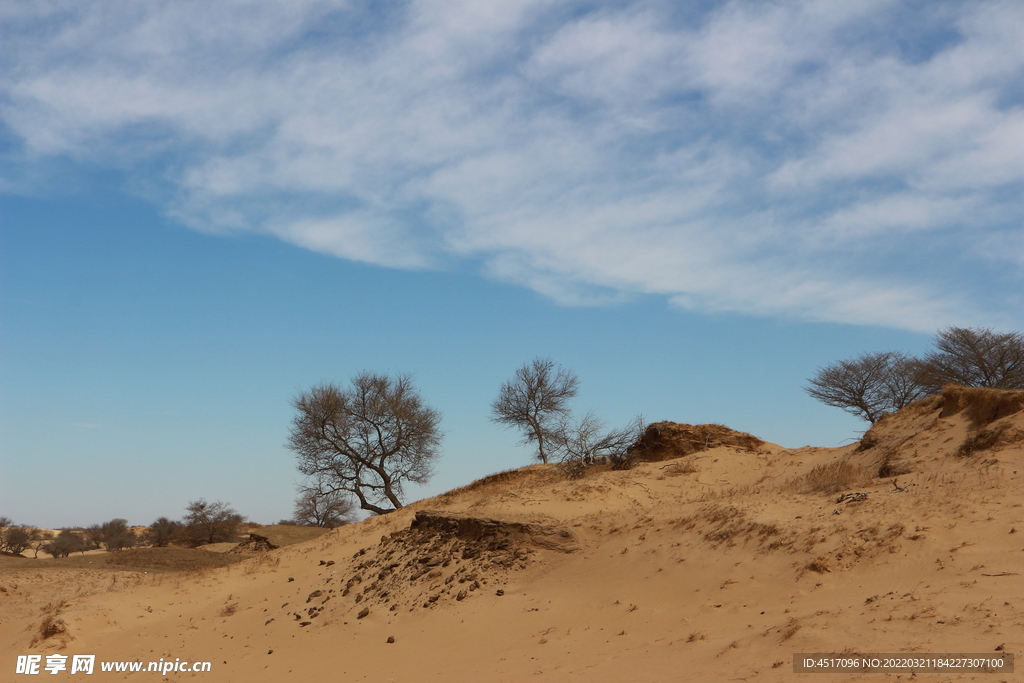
x=367 y=440
x=974 y=357
x=328 y=509
x=210 y=522
x=868 y=386
x=40 y=542
x=535 y=401
x=582 y=443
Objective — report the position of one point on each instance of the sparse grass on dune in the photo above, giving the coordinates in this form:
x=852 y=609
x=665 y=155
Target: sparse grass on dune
x=288 y=534
x=135 y=560
x=521 y=477
x=982 y=406
x=832 y=477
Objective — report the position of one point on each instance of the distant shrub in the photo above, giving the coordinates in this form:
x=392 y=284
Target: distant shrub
x=163 y=532
x=210 y=522
x=67 y=542
x=16 y=539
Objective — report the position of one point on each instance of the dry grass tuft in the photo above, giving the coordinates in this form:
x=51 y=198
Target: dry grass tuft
x=982 y=406
x=833 y=477
x=792 y=626
x=891 y=466
x=52 y=625
x=518 y=478
x=819 y=565
x=676 y=469
x=989 y=439
x=668 y=440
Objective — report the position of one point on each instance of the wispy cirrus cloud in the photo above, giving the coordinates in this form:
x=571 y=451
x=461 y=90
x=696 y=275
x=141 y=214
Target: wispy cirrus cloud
x=810 y=160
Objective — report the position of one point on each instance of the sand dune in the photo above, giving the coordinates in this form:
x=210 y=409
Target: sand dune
x=716 y=564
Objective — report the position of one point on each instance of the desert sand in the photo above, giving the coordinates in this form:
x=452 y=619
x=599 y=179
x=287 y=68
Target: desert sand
x=717 y=561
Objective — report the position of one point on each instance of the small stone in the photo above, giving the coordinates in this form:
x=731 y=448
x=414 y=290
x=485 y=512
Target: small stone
x=290 y=579
x=499 y=592
x=391 y=639
x=363 y=612
x=305 y=623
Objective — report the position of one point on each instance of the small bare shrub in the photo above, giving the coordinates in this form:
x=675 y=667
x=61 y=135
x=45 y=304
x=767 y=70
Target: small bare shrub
x=819 y=565
x=676 y=469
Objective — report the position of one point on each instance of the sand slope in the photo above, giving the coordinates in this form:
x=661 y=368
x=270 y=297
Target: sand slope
x=717 y=565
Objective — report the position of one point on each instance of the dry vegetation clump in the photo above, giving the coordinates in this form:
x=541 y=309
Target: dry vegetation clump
x=254 y=544
x=990 y=438
x=667 y=440
x=676 y=469
x=923 y=406
x=51 y=625
x=730 y=524
x=819 y=565
x=891 y=466
x=792 y=626
x=982 y=406
x=833 y=477
x=532 y=474
x=161 y=560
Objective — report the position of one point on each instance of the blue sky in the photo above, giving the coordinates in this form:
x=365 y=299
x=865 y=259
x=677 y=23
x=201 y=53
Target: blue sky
x=208 y=207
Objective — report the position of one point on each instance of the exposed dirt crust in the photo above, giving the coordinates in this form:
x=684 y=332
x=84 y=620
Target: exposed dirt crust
x=666 y=440
x=491 y=535
x=255 y=544
x=441 y=557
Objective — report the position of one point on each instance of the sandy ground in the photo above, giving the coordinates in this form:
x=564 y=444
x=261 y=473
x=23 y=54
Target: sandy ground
x=653 y=574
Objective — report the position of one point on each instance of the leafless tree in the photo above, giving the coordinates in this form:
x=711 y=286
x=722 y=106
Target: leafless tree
x=536 y=401
x=210 y=522
x=868 y=386
x=974 y=357
x=583 y=442
x=367 y=440
x=39 y=543
x=328 y=509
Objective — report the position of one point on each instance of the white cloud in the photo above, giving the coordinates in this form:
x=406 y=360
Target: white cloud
x=752 y=157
